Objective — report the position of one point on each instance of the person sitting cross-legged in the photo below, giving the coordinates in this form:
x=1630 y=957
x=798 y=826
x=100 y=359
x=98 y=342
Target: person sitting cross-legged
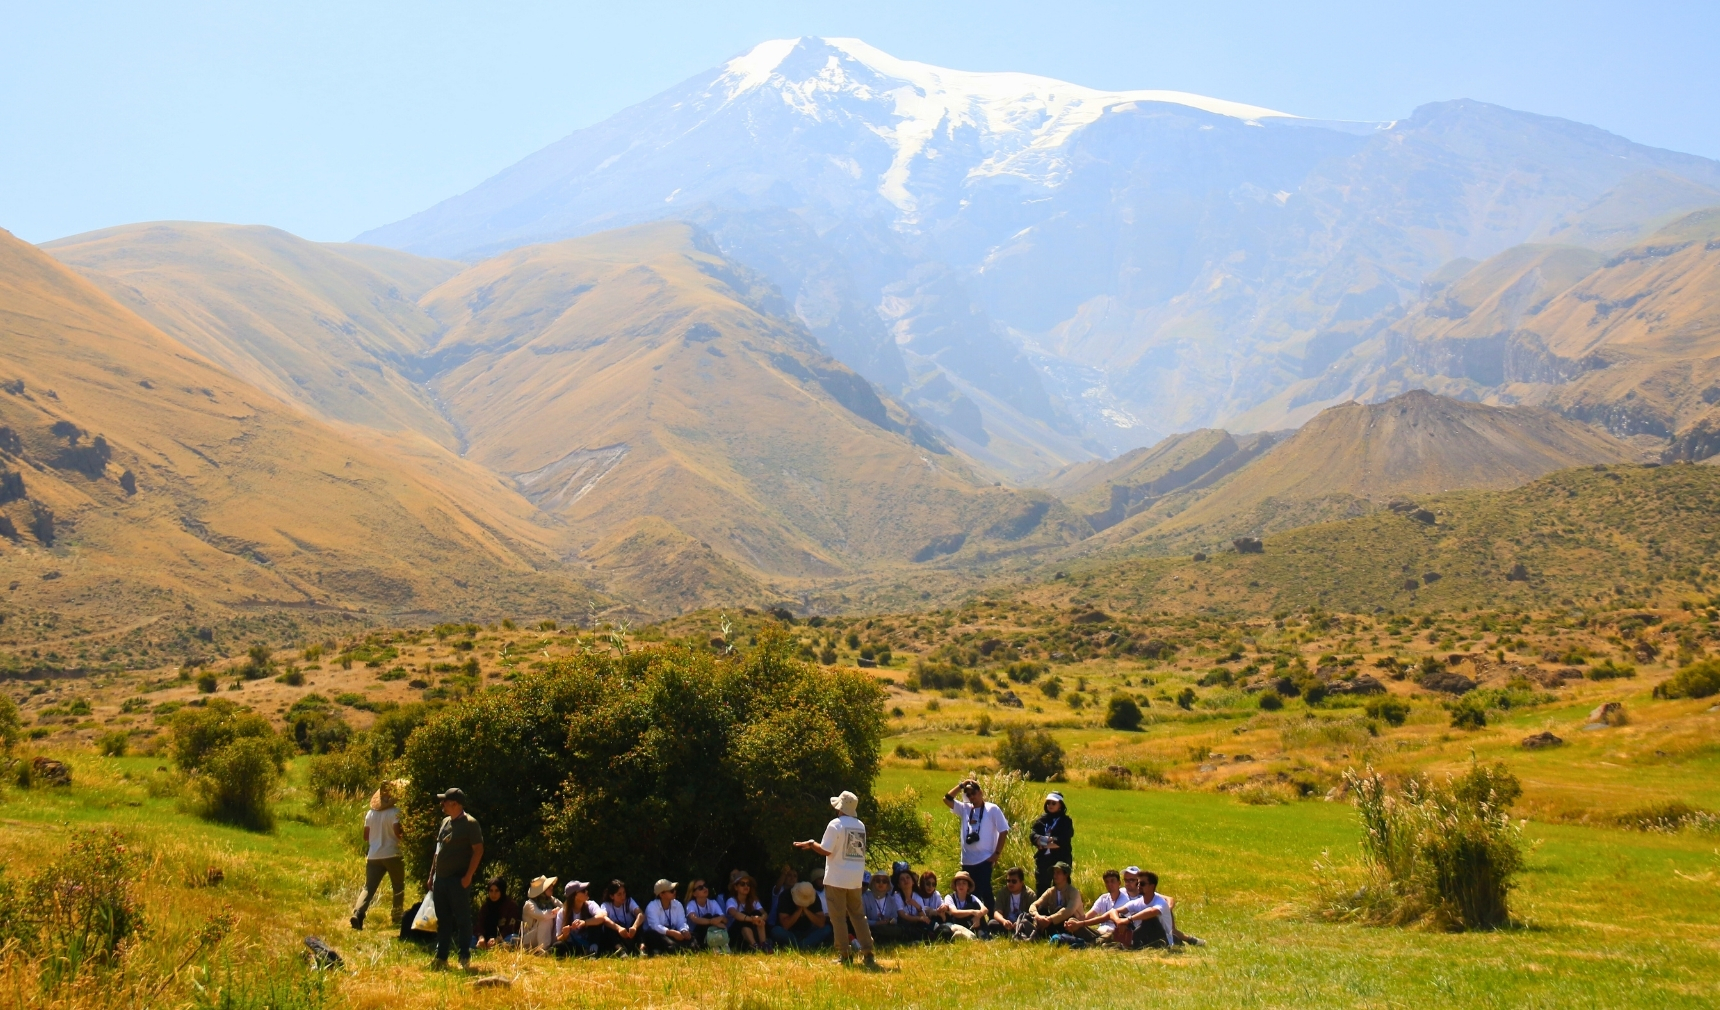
x=1060 y=902
x=800 y=922
x=749 y=927
x=666 y=927
x=1013 y=905
x=623 y=919
x=912 y=922
x=705 y=915
x=930 y=899
x=880 y=912
x=1097 y=923
x=1150 y=918
x=498 y=917
x=537 y=916
x=581 y=924
x=964 y=914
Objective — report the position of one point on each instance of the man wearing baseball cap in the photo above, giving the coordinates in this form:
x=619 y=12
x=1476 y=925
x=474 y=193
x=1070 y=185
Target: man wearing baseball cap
x=459 y=850
x=844 y=850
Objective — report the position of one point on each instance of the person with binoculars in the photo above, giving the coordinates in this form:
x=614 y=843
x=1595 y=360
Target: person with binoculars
x=984 y=830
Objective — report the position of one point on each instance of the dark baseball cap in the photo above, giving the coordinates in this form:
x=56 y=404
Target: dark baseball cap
x=456 y=794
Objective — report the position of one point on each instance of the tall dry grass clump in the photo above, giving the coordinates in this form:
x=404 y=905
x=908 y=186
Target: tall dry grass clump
x=1443 y=855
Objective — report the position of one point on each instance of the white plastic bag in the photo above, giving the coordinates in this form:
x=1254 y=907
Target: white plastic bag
x=425 y=920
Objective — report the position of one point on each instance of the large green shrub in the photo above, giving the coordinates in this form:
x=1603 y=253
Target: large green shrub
x=1698 y=680
x=662 y=761
x=11 y=727
x=236 y=784
x=1123 y=713
x=1036 y=754
x=199 y=732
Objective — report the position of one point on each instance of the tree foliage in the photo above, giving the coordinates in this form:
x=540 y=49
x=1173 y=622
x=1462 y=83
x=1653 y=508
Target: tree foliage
x=666 y=760
x=1034 y=753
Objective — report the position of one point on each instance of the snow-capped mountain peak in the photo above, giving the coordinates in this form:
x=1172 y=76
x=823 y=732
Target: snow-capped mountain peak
x=1011 y=123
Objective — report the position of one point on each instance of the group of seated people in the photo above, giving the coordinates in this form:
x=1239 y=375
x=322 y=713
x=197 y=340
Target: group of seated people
x=901 y=906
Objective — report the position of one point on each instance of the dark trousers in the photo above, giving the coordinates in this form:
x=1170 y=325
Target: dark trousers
x=660 y=943
x=1042 y=864
x=453 y=916
x=1149 y=933
x=981 y=873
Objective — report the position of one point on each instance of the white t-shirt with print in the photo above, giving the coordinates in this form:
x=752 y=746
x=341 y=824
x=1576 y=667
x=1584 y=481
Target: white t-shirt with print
x=845 y=839
x=988 y=821
x=383 y=844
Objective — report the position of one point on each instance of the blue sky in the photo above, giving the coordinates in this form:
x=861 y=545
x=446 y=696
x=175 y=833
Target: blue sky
x=329 y=118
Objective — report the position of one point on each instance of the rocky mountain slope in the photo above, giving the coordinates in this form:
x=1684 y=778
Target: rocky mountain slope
x=1089 y=271
x=139 y=482
x=1357 y=458
x=1628 y=340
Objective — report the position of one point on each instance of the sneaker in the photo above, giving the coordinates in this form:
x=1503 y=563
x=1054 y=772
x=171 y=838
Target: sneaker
x=465 y=964
x=1194 y=941
x=869 y=963
x=355 y=922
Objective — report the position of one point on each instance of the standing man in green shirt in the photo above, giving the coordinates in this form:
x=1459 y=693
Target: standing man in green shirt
x=459 y=850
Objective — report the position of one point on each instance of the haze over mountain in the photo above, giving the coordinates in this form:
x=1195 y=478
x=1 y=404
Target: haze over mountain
x=1067 y=273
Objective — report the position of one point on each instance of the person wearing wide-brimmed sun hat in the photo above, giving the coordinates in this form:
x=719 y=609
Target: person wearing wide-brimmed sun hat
x=844 y=850
x=382 y=837
x=538 y=915
x=1053 y=841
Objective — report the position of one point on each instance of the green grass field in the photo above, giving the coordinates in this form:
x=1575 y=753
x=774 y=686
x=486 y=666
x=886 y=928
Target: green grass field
x=1611 y=917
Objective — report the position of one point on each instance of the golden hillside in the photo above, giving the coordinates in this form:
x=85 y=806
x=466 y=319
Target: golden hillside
x=640 y=387
x=335 y=328
x=1353 y=458
x=174 y=488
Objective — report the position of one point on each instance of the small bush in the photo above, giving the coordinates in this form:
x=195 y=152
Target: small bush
x=983 y=727
x=80 y=910
x=1123 y=713
x=207 y=682
x=1111 y=778
x=1698 y=680
x=1036 y=754
x=1468 y=713
x=1667 y=817
x=1610 y=671
x=1448 y=854
x=1185 y=698
x=198 y=733
x=1271 y=701
x=112 y=744
x=11 y=726
x=1389 y=710
x=236 y=784
x=1024 y=673
x=292 y=677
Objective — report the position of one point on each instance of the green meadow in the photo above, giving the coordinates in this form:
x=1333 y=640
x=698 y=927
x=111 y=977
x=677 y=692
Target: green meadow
x=1609 y=917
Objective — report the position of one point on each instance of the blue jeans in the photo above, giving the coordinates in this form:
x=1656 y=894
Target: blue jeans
x=817 y=938
x=453 y=916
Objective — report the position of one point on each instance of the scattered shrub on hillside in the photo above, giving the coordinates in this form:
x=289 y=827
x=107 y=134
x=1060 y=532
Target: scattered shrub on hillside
x=1122 y=712
x=259 y=663
x=1035 y=754
x=316 y=726
x=666 y=759
x=11 y=726
x=1469 y=712
x=1271 y=701
x=1052 y=688
x=112 y=744
x=1185 y=698
x=1024 y=672
x=1392 y=711
x=1698 y=680
x=207 y=682
x=1669 y=817
x=1610 y=670
x=1114 y=777
x=1447 y=854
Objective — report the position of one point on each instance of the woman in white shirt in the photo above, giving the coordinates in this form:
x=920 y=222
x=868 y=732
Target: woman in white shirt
x=537 y=916
x=747 y=927
x=623 y=917
x=382 y=840
x=930 y=899
x=705 y=915
x=909 y=909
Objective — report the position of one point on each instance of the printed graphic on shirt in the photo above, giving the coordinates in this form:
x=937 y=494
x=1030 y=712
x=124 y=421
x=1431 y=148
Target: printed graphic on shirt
x=854 y=843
